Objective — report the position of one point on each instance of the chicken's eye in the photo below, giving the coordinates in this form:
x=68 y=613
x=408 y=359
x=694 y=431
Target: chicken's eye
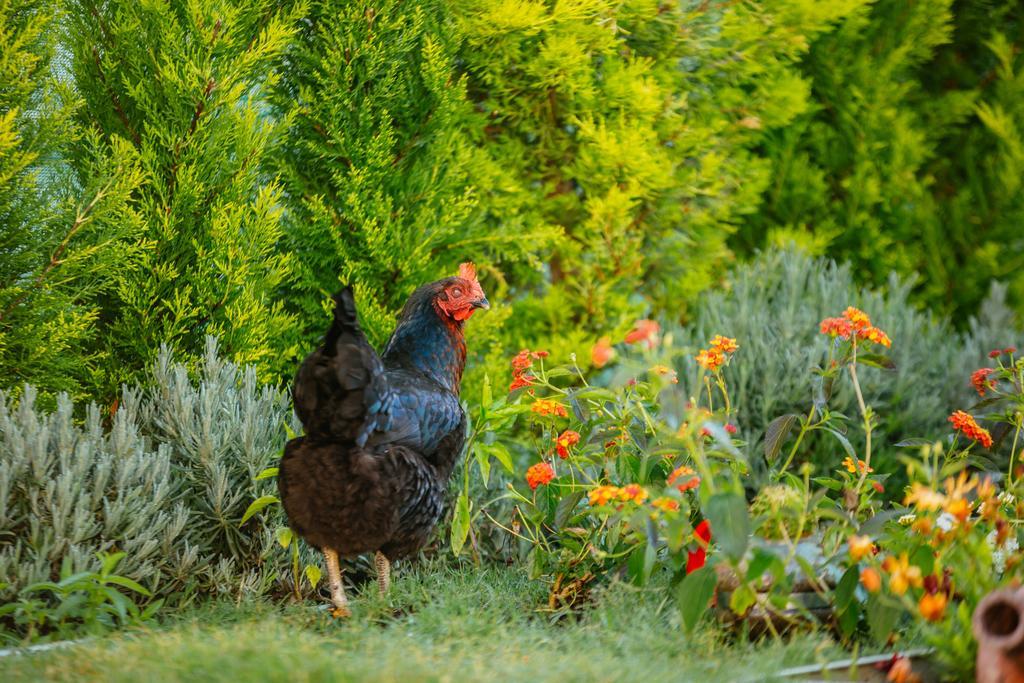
x=457 y=292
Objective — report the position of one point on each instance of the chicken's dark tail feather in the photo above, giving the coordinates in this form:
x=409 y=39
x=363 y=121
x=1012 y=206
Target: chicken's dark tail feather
x=341 y=392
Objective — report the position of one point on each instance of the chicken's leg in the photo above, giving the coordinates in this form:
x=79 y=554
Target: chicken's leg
x=337 y=589
x=383 y=572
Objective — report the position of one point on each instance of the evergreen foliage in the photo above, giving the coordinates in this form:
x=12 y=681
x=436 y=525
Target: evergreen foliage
x=386 y=188
x=183 y=85
x=910 y=159
x=168 y=482
x=630 y=125
x=60 y=232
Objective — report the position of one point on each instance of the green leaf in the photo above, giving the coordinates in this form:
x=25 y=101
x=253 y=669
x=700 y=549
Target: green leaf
x=125 y=582
x=565 y=508
x=694 y=593
x=730 y=523
x=313 y=574
x=267 y=473
x=486 y=398
x=284 y=536
x=256 y=506
x=843 y=441
x=742 y=599
x=460 y=523
x=846 y=588
x=876 y=360
x=881 y=617
x=775 y=434
x=759 y=564
x=499 y=451
x=914 y=442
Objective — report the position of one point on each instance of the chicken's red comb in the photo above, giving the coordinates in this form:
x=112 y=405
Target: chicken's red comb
x=467 y=271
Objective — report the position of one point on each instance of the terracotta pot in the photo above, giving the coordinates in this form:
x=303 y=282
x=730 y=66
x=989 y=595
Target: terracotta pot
x=999 y=627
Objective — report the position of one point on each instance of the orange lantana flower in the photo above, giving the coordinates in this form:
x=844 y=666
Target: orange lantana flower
x=602 y=352
x=546 y=406
x=565 y=441
x=870 y=579
x=644 y=331
x=633 y=492
x=859 y=547
x=924 y=498
x=724 y=344
x=539 y=474
x=964 y=422
x=666 y=504
x=981 y=382
x=932 y=606
x=875 y=335
x=602 y=495
x=902 y=574
x=836 y=327
x=714 y=357
x=859 y=467
x=858 y=318
x=690 y=479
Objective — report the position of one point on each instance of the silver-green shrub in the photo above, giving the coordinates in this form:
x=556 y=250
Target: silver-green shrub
x=773 y=305
x=167 y=482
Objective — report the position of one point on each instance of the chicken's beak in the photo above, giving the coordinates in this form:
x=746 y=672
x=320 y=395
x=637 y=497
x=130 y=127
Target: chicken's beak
x=482 y=302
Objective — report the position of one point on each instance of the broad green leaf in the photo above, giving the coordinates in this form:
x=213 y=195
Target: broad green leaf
x=881 y=616
x=284 y=536
x=313 y=574
x=776 y=433
x=257 y=505
x=694 y=593
x=846 y=588
x=742 y=599
x=460 y=523
x=730 y=523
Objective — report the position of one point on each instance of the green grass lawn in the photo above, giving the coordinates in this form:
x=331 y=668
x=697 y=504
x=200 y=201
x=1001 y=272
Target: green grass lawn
x=439 y=624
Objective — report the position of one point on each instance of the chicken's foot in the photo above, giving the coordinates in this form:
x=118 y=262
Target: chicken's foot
x=383 y=572
x=334 y=581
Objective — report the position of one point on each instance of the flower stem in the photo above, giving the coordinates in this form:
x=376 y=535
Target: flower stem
x=1013 y=450
x=867 y=426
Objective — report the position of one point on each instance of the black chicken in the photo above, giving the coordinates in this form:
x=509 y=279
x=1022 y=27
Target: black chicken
x=382 y=434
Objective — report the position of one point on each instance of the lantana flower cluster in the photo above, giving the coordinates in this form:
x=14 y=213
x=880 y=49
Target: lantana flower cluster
x=968 y=426
x=716 y=355
x=522 y=362
x=854 y=322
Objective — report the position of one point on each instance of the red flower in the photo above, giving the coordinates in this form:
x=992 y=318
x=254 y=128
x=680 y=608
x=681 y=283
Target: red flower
x=731 y=428
x=695 y=558
x=644 y=331
x=565 y=441
x=1010 y=350
x=995 y=353
x=538 y=474
x=981 y=382
x=602 y=352
x=878 y=486
x=521 y=381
